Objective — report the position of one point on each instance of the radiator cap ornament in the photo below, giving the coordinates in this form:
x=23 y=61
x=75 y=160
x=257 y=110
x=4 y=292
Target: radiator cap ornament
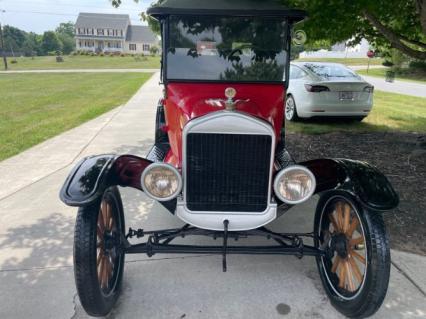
x=230 y=93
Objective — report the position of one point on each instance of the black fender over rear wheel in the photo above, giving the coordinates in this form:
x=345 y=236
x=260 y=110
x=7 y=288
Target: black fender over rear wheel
x=98 y=259
x=355 y=271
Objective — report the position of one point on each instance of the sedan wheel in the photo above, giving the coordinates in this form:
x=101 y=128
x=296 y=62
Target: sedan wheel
x=290 y=109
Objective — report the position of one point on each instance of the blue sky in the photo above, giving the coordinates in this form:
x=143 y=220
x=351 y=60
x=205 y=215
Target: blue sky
x=42 y=15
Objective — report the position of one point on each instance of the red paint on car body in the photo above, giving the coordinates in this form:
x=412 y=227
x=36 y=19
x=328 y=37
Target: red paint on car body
x=186 y=101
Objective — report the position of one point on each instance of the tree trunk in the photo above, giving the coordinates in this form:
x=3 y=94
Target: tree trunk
x=393 y=38
x=421 y=8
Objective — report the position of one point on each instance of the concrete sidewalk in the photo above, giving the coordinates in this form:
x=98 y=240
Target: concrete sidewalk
x=36 y=234
x=82 y=71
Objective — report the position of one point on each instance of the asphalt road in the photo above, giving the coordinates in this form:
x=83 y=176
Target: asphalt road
x=36 y=234
x=398 y=86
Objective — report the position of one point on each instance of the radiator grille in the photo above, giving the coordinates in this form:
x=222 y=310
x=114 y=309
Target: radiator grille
x=227 y=172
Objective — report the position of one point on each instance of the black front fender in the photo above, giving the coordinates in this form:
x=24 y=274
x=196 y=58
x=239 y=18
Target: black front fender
x=92 y=175
x=360 y=179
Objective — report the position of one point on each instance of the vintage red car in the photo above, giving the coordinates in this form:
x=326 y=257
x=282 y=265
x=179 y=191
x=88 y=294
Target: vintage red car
x=220 y=164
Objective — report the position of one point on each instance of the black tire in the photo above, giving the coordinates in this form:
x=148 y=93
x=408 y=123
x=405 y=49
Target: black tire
x=358 y=118
x=290 y=115
x=96 y=300
x=369 y=295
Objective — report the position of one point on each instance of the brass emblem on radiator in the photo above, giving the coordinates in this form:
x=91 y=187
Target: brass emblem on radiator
x=230 y=93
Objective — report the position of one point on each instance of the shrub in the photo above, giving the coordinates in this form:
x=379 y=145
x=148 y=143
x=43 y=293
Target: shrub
x=122 y=55
x=154 y=50
x=418 y=64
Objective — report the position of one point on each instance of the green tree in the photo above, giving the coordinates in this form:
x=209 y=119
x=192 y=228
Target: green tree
x=32 y=44
x=14 y=38
x=66 y=28
x=65 y=32
x=68 y=43
x=395 y=23
x=50 y=42
x=153 y=24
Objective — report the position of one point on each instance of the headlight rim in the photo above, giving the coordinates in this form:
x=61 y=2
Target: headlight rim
x=168 y=166
x=290 y=168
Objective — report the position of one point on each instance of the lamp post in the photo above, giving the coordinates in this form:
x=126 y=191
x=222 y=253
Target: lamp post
x=2 y=44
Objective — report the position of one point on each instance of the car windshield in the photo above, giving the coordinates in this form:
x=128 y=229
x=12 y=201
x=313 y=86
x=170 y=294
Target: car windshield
x=330 y=71
x=226 y=49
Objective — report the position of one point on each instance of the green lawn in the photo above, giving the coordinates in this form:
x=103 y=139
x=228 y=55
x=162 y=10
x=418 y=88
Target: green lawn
x=348 y=61
x=406 y=75
x=35 y=107
x=84 y=62
x=390 y=112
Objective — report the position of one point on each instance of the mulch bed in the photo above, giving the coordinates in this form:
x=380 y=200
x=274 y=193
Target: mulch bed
x=400 y=156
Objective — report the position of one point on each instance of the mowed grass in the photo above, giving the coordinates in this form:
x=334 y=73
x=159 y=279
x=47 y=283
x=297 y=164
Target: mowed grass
x=84 y=62
x=35 y=107
x=391 y=112
x=347 y=61
x=405 y=75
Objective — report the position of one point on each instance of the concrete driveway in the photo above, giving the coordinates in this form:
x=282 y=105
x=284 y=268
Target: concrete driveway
x=36 y=234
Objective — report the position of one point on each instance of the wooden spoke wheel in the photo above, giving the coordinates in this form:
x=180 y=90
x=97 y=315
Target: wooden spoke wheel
x=355 y=267
x=98 y=257
x=345 y=240
x=107 y=237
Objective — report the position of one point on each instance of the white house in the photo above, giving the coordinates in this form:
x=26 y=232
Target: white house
x=340 y=50
x=100 y=32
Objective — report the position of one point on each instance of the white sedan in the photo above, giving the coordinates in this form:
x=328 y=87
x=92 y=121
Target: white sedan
x=327 y=89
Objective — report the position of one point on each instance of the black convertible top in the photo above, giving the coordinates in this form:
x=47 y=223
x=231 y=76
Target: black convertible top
x=271 y=8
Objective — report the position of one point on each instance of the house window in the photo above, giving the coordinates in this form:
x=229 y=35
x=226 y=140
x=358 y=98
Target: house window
x=100 y=31
x=132 y=47
x=146 y=47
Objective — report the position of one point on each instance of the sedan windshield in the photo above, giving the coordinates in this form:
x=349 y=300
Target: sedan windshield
x=226 y=49
x=330 y=71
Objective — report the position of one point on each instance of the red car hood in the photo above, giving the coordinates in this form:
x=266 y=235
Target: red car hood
x=186 y=101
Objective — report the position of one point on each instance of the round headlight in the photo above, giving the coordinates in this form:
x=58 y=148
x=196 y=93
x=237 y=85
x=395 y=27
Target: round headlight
x=161 y=182
x=294 y=184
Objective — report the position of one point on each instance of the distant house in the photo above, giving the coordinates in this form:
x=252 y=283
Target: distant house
x=340 y=50
x=112 y=33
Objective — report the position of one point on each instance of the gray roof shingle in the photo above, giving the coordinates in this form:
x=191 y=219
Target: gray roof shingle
x=140 y=33
x=100 y=20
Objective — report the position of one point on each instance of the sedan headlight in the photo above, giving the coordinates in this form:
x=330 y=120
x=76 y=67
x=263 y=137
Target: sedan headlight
x=294 y=184
x=161 y=182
